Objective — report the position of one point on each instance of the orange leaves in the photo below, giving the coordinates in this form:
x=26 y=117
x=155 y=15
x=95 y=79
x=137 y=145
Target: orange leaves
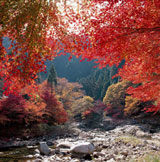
x=107 y=32
x=54 y=111
x=86 y=113
x=32 y=105
x=68 y=92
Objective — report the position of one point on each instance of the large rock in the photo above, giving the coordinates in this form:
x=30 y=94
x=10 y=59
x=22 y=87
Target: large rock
x=83 y=148
x=44 y=149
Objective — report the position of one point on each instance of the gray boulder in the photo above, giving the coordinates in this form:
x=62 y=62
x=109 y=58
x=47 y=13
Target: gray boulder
x=44 y=149
x=83 y=148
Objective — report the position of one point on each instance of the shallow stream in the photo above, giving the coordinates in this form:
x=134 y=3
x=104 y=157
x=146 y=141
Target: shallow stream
x=17 y=154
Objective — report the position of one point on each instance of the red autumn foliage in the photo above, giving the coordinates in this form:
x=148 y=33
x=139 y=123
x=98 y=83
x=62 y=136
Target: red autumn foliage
x=94 y=115
x=45 y=103
x=98 y=108
x=108 y=32
x=54 y=112
x=130 y=31
x=12 y=110
x=36 y=106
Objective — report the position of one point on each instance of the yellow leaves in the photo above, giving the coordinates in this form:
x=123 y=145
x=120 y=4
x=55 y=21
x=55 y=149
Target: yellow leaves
x=131 y=106
x=88 y=98
x=115 y=97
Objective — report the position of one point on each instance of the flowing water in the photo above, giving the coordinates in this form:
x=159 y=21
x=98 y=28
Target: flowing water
x=16 y=154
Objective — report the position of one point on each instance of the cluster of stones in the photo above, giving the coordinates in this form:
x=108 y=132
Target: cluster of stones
x=101 y=146
x=126 y=142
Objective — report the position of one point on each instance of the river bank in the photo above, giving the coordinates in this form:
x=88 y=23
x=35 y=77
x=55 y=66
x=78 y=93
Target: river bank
x=123 y=141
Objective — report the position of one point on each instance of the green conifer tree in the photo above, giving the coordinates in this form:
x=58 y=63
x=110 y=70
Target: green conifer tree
x=52 y=77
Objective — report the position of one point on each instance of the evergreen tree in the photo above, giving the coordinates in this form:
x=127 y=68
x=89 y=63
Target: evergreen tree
x=97 y=83
x=52 y=77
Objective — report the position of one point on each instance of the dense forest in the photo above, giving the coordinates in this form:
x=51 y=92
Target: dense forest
x=67 y=89
x=77 y=61
x=95 y=81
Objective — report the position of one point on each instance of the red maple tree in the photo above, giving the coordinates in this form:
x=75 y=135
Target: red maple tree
x=109 y=31
x=127 y=30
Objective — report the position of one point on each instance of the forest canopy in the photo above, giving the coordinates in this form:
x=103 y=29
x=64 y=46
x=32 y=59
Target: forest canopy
x=108 y=31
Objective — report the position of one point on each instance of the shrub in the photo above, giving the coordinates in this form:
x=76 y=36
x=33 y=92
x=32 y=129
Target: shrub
x=81 y=105
x=115 y=98
x=119 y=103
x=135 y=107
x=54 y=112
x=33 y=106
x=31 y=110
x=132 y=106
x=45 y=103
x=94 y=115
x=68 y=92
x=12 y=110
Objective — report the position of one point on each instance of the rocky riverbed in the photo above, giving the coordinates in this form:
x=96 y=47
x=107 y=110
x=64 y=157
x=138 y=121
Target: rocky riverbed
x=126 y=142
